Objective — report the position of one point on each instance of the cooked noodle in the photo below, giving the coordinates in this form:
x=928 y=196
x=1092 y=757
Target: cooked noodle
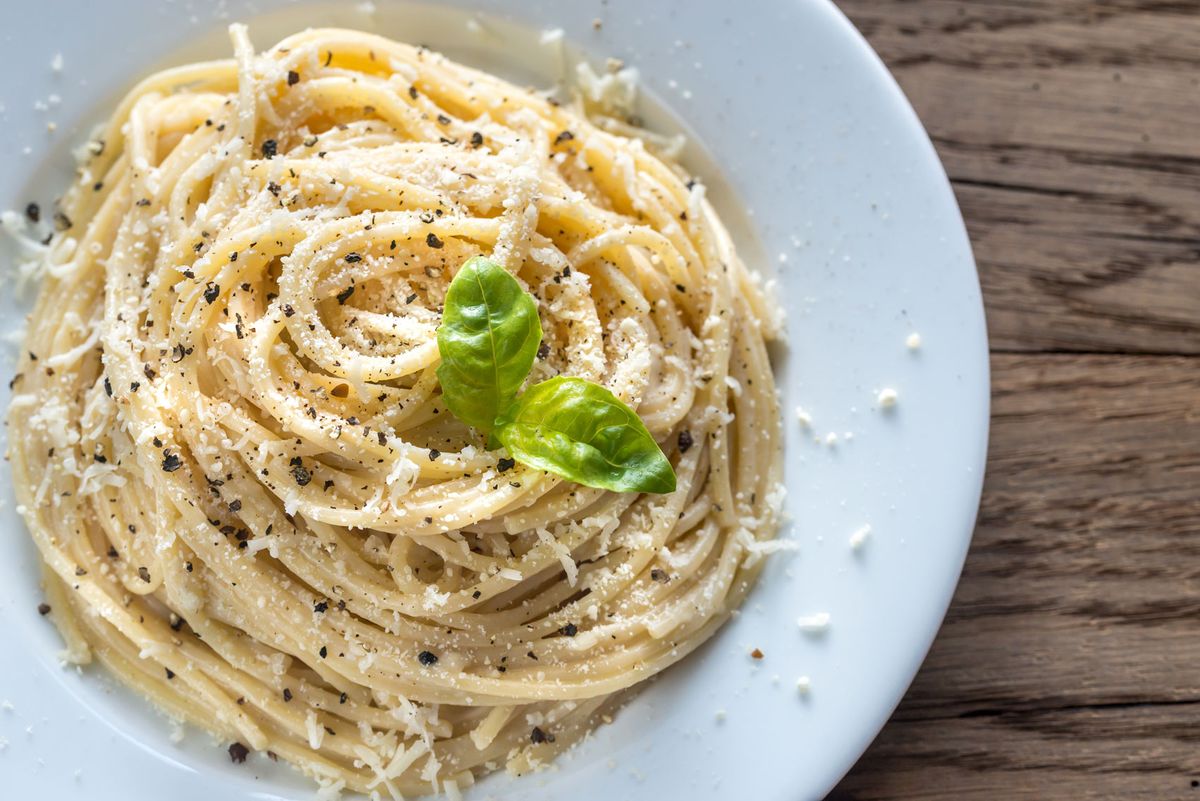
x=228 y=441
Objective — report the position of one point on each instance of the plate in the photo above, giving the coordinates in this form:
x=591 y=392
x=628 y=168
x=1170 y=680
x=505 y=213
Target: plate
x=829 y=184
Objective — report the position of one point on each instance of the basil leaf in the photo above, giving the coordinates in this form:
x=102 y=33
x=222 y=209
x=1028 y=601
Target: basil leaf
x=581 y=431
x=488 y=340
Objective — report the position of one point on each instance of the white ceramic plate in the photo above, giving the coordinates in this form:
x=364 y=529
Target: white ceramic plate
x=827 y=180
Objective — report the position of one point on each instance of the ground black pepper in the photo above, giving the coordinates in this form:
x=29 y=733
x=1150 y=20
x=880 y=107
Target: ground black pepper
x=427 y=658
x=171 y=462
x=685 y=440
x=238 y=753
x=432 y=240
x=301 y=475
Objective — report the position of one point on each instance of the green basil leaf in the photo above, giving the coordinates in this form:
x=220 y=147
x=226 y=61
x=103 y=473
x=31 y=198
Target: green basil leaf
x=581 y=431
x=488 y=340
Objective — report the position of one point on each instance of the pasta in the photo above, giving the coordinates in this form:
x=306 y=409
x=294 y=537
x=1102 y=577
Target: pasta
x=228 y=441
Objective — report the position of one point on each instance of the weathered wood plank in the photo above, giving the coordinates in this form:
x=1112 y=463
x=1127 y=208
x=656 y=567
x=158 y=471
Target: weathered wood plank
x=1126 y=753
x=1069 y=664
x=1069 y=130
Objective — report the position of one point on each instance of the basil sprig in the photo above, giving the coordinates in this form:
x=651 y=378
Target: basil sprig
x=568 y=426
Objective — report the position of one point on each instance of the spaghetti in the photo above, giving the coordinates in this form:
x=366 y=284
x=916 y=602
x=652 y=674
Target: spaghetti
x=228 y=441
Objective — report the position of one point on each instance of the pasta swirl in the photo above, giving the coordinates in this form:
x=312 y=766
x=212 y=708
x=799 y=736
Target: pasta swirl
x=228 y=441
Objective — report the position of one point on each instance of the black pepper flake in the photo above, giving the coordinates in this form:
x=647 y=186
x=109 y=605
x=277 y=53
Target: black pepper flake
x=33 y=212
x=412 y=92
x=238 y=753
x=269 y=148
x=427 y=658
x=570 y=630
x=345 y=294
x=352 y=257
x=144 y=574
x=543 y=351
x=411 y=298
x=321 y=606
x=176 y=622
x=434 y=453
x=287 y=694
x=79 y=571
x=171 y=462
x=301 y=475
x=342 y=698
x=233 y=256
x=537 y=736
x=310 y=141
x=324 y=652
x=659 y=575
x=134 y=386
x=96 y=187
x=293 y=77
x=382 y=437
x=432 y=240
x=170 y=674
x=328 y=58
x=564 y=136
x=107 y=387
x=187 y=566
x=681 y=287
x=476 y=139
x=177 y=353
x=685 y=441
x=61 y=221
x=148 y=372
x=428 y=520
x=288 y=311
x=144 y=202
x=212 y=291
x=274 y=188
x=443 y=119
x=43 y=609
x=476 y=595
x=235 y=506
x=505 y=464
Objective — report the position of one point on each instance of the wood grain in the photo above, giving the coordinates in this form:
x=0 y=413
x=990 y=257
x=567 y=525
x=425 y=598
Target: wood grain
x=1070 y=132
x=1069 y=663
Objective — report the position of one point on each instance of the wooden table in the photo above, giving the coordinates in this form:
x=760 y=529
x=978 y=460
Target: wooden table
x=1069 y=664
